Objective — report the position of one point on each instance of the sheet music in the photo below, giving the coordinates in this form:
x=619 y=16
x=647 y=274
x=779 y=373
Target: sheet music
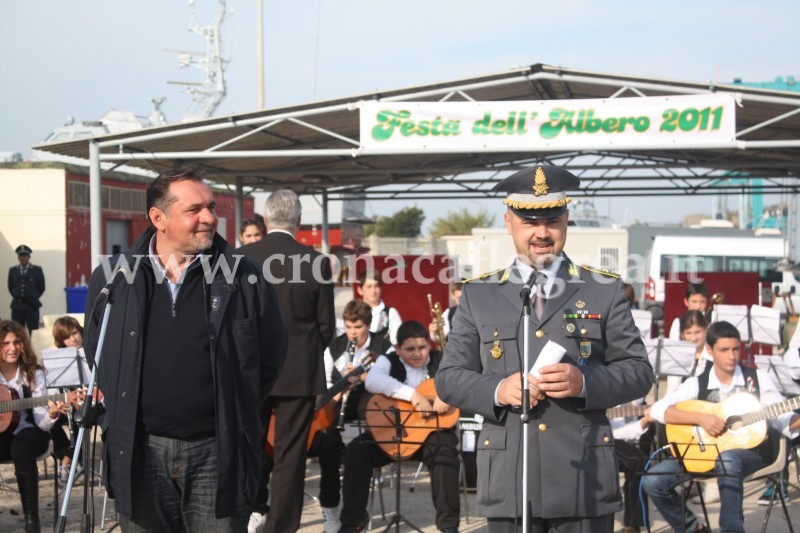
x=676 y=357
x=781 y=373
x=65 y=368
x=766 y=325
x=736 y=315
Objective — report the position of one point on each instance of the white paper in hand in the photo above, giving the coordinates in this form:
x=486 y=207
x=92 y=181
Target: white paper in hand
x=551 y=354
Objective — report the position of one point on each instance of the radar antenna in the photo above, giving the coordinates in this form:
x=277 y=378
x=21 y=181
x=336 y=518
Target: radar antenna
x=207 y=95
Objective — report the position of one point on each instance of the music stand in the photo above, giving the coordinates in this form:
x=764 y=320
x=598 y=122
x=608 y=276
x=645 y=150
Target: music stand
x=783 y=374
x=643 y=319
x=390 y=428
x=691 y=477
x=765 y=325
x=66 y=368
x=670 y=357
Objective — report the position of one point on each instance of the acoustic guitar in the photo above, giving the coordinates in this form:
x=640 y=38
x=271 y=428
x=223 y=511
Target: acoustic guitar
x=383 y=414
x=324 y=416
x=626 y=411
x=11 y=405
x=745 y=428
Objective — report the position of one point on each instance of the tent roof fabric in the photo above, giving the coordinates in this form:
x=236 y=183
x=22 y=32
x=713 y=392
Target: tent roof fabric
x=314 y=147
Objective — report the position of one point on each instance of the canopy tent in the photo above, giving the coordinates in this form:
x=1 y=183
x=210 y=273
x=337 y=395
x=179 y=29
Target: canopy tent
x=317 y=148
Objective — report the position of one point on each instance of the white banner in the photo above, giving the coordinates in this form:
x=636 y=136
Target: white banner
x=663 y=122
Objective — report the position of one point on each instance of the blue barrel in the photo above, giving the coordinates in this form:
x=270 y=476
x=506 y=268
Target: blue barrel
x=76 y=299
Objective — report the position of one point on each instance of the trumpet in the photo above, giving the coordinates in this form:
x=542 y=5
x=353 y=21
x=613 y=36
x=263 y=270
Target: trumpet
x=436 y=318
x=351 y=353
x=717 y=298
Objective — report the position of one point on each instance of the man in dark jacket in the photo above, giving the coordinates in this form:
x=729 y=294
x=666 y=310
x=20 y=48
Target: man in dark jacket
x=194 y=342
x=26 y=285
x=302 y=280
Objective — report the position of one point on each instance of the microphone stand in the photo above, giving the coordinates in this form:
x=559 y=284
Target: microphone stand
x=525 y=415
x=84 y=418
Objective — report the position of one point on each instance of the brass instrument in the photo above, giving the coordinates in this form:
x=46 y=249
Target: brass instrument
x=716 y=299
x=436 y=318
x=351 y=353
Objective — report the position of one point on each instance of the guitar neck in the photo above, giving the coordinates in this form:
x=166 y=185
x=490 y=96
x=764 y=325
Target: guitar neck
x=771 y=411
x=625 y=411
x=340 y=385
x=30 y=403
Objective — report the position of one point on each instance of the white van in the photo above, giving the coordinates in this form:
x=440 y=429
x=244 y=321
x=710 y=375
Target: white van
x=674 y=254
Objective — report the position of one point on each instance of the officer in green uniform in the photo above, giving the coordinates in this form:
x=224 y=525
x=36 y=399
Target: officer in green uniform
x=573 y=478
x=26 y=285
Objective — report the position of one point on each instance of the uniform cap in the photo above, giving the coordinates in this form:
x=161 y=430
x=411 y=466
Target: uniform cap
x=538 y=192
x=23 y=250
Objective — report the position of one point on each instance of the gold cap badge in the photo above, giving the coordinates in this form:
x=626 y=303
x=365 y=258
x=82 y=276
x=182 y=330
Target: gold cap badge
x=540 y=183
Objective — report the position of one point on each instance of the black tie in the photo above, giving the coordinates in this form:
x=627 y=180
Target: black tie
x=539 y=299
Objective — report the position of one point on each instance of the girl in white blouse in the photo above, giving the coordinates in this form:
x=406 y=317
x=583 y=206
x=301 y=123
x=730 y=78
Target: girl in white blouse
x=21 y=375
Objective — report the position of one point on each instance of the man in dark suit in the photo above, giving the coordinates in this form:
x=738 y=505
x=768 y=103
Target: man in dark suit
x=573 y=484
x=302 y=280
x=26 y=285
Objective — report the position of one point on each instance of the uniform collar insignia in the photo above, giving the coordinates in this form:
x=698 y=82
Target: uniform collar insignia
x=573 y=270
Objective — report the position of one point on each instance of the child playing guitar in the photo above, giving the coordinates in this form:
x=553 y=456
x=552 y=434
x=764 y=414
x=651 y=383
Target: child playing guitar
x=347 y=352
x=397 y=376
x=719 y=382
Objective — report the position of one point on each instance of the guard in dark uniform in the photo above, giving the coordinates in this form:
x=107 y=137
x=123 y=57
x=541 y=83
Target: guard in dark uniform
x=573 y=483
x=26 y=285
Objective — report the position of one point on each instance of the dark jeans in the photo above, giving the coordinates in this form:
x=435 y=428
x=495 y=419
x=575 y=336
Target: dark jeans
x=439 y=454
x=174 y=487
x=732 y=467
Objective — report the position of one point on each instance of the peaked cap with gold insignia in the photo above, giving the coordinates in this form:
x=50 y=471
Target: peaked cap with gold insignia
x=538 y=192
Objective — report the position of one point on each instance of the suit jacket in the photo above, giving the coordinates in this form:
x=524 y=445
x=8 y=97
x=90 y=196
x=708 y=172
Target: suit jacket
x=26 y=289
x=572 y=466
x=296 y=272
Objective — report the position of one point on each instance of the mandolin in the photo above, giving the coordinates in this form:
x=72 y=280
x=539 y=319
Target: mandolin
x=745 y=422
x=383 y=413
x=323 y=407
x=11 y=405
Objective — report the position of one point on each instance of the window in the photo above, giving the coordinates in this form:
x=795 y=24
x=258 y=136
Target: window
x=115 y=199
x=609 y=259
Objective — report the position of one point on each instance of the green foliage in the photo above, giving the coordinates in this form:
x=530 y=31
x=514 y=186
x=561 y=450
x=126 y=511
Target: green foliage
x=461 y=222
x=405 y=223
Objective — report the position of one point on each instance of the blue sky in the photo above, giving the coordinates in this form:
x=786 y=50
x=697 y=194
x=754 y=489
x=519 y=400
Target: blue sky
x=84 y=57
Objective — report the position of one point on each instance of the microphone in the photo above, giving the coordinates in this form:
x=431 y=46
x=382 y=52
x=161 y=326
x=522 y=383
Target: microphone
x=525 y=293
x=118 y=276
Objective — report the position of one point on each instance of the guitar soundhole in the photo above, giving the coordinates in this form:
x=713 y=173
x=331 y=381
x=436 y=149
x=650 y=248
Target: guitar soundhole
x=735 y=423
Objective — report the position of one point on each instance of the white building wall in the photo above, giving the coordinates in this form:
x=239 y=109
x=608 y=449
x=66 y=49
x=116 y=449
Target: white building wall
x=33 y=212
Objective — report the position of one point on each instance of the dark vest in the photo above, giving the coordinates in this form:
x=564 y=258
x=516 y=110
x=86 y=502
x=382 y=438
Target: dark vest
x=384 y=331
x=450 y=314
x=398 y=369
x=377 y=344
x=750 y=377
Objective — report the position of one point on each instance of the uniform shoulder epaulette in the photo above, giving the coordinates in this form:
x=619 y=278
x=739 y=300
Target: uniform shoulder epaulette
x=483 y=276
x=601 y=271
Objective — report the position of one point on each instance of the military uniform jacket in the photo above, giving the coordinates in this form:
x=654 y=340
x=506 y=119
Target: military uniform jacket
x=572 y=467
x=26 y=289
